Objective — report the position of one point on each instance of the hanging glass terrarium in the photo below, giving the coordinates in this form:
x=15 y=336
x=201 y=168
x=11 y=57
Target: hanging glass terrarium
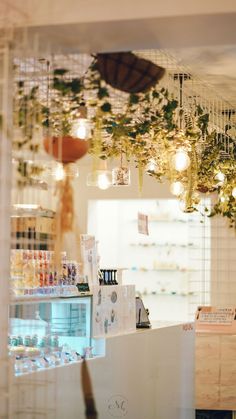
x=121 y=176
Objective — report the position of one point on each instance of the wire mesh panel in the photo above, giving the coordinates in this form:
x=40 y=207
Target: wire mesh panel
x=5 y=187
x=200 y=257
x=223 y=264
x=34 y=174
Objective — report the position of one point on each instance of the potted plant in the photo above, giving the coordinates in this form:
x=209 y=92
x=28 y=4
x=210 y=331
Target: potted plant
x=65 y=119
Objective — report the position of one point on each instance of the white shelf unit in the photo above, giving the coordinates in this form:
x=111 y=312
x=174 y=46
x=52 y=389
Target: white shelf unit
x=164 y=266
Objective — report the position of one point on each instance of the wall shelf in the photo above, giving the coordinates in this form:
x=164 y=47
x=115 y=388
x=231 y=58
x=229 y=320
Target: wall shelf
x=177 y=245
x=167 y=294
x=163 y=270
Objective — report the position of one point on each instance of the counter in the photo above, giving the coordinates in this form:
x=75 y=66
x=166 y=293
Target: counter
x=146 y=374
x=215 y=371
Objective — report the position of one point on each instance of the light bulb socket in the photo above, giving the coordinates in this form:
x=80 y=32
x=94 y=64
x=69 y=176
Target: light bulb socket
x=82 y=112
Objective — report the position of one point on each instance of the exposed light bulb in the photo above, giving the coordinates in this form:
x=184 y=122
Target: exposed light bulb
x=103 y=181
x=81 y=129
x=234 y=192
x=151 y=166
x=220 y=177
x=59 y=173
x=181 y=160
x=224 y=198
x=177 y=188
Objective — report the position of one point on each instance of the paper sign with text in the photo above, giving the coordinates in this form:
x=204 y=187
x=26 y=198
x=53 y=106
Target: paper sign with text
x=216 y=319
x=143 y=223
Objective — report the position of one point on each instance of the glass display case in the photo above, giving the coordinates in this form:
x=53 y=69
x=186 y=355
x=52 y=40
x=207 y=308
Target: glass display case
x=44 y=334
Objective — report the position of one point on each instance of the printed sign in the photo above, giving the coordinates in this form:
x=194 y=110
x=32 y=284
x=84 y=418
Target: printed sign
x=143 y=223
x=216 y=319
x=216 y=316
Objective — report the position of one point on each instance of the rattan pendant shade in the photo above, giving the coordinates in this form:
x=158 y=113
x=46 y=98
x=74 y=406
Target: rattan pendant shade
x=127 y=72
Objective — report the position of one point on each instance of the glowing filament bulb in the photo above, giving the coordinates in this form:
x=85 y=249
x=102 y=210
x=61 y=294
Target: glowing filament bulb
x=151 y=166
x=81 y=129
x=103 y=181
x=220 y=177
x=177 y=188
x=234 y=192
x=59 y=173
x=181 y=160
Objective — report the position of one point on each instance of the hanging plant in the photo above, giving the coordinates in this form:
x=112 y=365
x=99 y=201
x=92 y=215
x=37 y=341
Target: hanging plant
x=226 y=198
x=127 y=72
x=65 y=119
x=144 y=129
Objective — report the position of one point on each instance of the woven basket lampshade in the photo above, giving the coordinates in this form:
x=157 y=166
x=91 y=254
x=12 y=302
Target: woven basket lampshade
x=127 y=72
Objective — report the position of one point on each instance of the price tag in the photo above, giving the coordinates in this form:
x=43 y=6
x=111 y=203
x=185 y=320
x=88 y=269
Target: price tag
x=143 y=224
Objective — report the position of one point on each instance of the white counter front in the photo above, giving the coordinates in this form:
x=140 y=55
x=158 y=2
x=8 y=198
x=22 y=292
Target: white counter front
x=147 y=374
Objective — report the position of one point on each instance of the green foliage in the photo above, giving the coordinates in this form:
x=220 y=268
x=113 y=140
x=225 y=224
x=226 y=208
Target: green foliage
x=106 y=107
x=144 y=130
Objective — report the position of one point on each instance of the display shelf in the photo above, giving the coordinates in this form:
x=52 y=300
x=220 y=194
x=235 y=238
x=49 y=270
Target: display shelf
x=51 y=367
x=51 y=333
x=166 y=220
x=165 y=256
x=44 y=293
x=179 y=270
x=168 y=245
x=172 y=294
x=29 y=299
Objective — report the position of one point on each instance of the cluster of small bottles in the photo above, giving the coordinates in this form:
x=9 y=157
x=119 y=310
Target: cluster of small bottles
x=108 y=277
x=34 y=341
x=36 y=269
x=31 y=353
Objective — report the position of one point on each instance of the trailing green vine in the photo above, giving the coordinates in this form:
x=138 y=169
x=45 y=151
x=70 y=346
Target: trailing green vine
x=143 y=128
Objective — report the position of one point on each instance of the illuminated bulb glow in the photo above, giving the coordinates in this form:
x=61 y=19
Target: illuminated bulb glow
x=222 y=199
x=59 y=173
x=151 y=166
x=176 y=188
x=220 y=176
x=103 y=181
x=181 y=160
x=234 y=192
x=81 y=129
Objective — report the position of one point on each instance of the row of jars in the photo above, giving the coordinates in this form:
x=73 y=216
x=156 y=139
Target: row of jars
x=34 y=341
x=36 y=268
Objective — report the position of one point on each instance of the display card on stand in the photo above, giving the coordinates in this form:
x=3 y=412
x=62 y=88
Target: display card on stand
x=216 y=319
x=143 y=224
x=113 y=310
x=89 y=258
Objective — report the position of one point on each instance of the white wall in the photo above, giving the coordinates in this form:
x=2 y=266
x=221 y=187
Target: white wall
x=83 y=193
x=167 y=267
x=223 y=263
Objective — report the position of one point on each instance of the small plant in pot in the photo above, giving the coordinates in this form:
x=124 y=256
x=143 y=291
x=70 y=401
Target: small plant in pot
x=65 y=119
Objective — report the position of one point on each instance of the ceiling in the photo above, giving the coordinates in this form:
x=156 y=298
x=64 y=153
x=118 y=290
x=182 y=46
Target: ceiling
x=214 y=65
x=168 y=26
